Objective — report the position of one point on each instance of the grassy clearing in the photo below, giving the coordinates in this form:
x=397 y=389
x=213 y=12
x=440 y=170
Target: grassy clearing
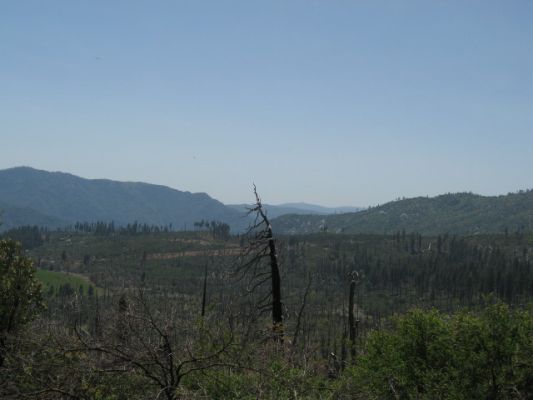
x=56 y=279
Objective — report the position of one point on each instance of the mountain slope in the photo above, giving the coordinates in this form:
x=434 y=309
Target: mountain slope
x=11 y=217
x=68 y=198
x=461 y=213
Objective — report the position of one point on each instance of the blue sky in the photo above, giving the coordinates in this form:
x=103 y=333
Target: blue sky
x=331 y=102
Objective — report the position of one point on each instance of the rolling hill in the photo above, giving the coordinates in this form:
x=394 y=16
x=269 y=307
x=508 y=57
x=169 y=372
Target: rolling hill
x=34 y=197
x=460 y=213
x=56 y=199
x=12 y=216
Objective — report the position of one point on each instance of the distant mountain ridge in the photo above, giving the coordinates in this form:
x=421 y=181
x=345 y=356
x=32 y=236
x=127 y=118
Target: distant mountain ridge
x=56 y=199
x=274 y=211
x=459 y=213
x=30 y=196
x=321 y=209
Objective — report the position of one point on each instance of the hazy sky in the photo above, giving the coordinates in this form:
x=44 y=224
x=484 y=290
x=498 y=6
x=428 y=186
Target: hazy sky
x=332 y=102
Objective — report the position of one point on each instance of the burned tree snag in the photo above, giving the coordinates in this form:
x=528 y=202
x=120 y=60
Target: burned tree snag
x=263 y=245
x=277 y=311
x=204 y=292
x=351 y=318
x=300 y=313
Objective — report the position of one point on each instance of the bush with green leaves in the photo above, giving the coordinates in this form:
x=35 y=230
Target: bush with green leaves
x=429 y=355
x=20 y=292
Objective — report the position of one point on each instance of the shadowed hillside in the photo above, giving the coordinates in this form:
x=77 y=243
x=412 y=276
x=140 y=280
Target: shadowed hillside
x=34 y=197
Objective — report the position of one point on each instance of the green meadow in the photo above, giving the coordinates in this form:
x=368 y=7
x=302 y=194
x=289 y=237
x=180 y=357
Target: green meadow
x=56 y=279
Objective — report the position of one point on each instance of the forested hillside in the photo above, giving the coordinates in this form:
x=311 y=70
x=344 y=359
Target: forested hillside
x=460 y=213
x=34 y=197
x=130 y=290
x=13 y=216
x=131 y=314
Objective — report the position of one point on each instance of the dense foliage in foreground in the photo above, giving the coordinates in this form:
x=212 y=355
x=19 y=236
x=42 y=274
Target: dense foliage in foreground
x=424 y=355
x=126 y=319
x=428 y=355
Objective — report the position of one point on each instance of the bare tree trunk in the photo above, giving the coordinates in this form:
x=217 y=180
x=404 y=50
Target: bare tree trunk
x=351 y=317
x=204 y=293
x=277 y=309
x=3 y=351
x=343 y=345
x=300 y=313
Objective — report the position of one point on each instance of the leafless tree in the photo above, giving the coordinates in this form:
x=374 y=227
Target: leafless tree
x=301 y=312
x=261 y=247
x=352 y=322
x=158 y=343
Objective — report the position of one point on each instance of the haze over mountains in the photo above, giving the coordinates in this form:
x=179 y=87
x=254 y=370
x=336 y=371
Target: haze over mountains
x=56 y=199
x=275 y=211
x=30 y=196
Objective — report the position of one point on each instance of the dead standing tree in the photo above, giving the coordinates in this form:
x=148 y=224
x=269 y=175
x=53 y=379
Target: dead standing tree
x=156 y=340
x=352 y=322
x=262 y=245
